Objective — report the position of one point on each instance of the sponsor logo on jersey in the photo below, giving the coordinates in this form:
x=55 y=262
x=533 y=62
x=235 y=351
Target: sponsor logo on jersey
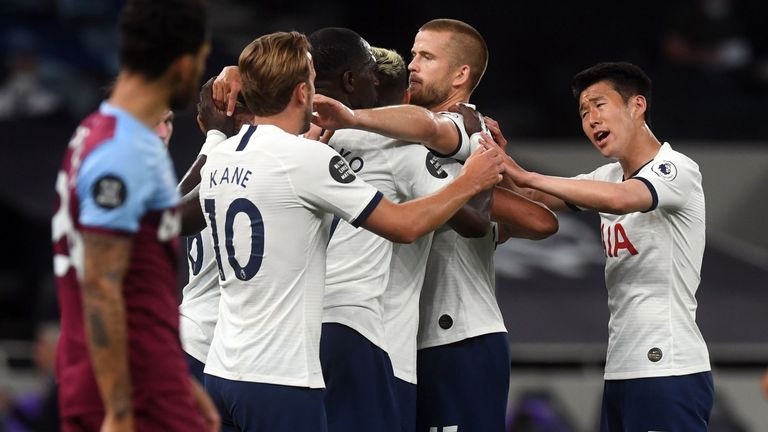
x=109 y=192
x=434 y=167
x=340 y=171
x=655 y=354
x=665 y=169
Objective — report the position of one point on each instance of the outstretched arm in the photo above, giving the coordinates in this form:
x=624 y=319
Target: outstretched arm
x=404 y=122
x=521 y=217
x=615 y=198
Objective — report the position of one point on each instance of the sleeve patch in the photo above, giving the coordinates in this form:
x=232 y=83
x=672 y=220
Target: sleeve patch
x=109 y=192
x=665 y=169
x=340 y=171
x=434 y=167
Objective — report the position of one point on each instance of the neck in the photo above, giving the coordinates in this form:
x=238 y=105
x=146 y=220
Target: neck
x=643 y=147
x=455 y=97
x=145 y=100
x=288 y=120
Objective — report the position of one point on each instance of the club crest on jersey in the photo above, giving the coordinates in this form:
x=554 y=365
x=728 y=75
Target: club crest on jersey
x=665 y=169
x=109 y=192
x=434 y=167
x=340 y=171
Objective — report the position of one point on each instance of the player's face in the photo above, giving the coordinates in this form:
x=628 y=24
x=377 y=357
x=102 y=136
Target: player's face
x=186 y=92
x=431 y=67
x=367 y=82
x=164 y=129
x=606 y=119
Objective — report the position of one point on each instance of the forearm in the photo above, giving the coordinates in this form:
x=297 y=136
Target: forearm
x=192 y=177
x=426 y=214
x=473 y=219
x=192 y=217
x=596 y=195
x=522 y=217
x=106 y=261
x=410 y=123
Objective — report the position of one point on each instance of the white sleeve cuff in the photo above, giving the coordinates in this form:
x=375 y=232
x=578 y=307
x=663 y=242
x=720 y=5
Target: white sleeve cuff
x=212 y=139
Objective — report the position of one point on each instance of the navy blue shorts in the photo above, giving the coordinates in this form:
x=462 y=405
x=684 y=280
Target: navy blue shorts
x=258 y=407
x=359 y=382
x=406 y=404
x=195 y=368
x=464 y=385
x=674 y=403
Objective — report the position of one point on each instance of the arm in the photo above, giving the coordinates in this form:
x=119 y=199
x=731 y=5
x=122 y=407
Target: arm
x=473 y=219
x=404 y=122
x=615 y=198
x=552 y=202
x=217 y=127
x=404 y=223
x=106 y=262
x=521 y=217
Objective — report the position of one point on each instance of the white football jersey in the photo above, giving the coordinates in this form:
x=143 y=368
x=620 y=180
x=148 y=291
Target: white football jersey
x=652 y=272
x=268 y=196
x=401 y=299
x=199 y=306
x=358 y=261
x=458 y=299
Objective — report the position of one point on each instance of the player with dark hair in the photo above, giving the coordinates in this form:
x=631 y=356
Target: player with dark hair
x=268 y=196
x=652 y=212
x=120 y=365
x=449 y=58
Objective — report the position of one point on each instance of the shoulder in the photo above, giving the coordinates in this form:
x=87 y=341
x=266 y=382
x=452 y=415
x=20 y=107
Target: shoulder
x=669 y=164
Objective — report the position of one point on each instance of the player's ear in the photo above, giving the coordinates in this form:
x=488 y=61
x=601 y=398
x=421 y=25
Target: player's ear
x=462 y=76
x=638 y=105
x=301 y=93
x=348 y=82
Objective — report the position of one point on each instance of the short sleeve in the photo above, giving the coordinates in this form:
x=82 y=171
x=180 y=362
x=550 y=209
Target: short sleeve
x=113 y=194
x=671 y=182
x=325 y=182
x=462 y=150
x=418 y=172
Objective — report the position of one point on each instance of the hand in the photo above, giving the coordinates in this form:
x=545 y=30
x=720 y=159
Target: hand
x=484 y=167
x=226 y=87
x=209 y=116
x=473 y=120
x=317 y=133
x=206 y=406
x=331 y=114
x=112 y=424
x=493 y=127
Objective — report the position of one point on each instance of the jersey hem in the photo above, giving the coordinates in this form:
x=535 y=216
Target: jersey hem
x=265 y=379
x=462 y=336
x=657 y=373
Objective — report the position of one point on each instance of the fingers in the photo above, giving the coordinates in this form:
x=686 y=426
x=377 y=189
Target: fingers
x=495 y=129
x=325 y=136
x=232 y=102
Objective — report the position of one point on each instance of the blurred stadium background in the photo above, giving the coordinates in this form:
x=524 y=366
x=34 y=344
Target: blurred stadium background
x=709 y=63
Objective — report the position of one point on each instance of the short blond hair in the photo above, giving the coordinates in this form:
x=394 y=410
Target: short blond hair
x=467 y=47
x=270 y=69
x=393 y=75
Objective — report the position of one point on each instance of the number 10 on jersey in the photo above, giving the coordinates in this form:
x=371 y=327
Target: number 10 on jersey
x=249 y=209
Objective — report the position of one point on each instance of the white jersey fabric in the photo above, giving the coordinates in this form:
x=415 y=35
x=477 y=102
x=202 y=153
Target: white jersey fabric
x=199 y=306
x=267 y=196
x=458 y=299
x=652 y=272
x=358 y=261
x=401 y=299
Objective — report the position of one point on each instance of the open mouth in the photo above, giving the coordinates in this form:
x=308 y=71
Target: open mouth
x=601 y=136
